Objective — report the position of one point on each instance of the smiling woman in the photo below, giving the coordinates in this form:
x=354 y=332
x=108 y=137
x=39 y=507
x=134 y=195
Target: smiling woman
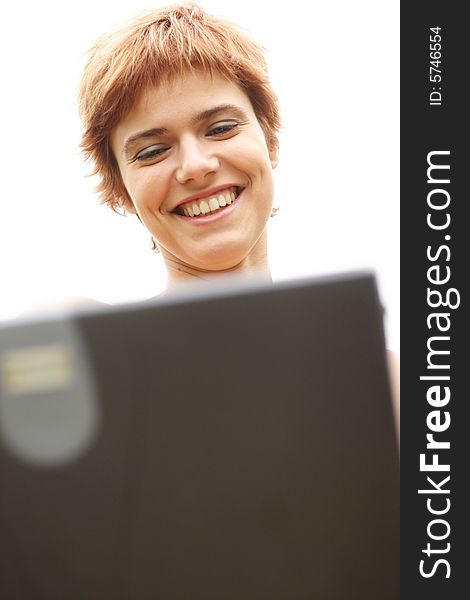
x=181 y=123
x=196 y=166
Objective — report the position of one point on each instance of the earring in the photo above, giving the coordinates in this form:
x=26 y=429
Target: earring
x=274 y=211
x=153 y=245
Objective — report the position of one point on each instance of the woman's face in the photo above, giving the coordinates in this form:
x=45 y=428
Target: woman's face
x=195 y=162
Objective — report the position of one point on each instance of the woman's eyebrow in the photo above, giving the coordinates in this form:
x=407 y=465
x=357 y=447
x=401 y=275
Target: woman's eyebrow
x=202 y=116
x=211 y=112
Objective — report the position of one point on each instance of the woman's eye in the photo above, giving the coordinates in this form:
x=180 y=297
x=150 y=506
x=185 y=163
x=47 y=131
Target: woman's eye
x=222 y=128
x=149 y=153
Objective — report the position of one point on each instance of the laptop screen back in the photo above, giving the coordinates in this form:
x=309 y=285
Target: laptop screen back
x=234 y=444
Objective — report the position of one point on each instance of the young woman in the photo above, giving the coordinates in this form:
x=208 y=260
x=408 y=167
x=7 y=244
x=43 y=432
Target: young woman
x=181 y=123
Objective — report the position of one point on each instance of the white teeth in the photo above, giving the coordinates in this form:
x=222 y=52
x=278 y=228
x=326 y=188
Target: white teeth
x=204 y=207
x=213 y=204
x=209 y=205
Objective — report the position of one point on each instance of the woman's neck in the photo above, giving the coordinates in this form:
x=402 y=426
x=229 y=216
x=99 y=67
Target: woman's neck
x=254 y=266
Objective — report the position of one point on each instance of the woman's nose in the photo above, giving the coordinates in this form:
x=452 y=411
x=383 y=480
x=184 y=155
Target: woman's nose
x=196 y=161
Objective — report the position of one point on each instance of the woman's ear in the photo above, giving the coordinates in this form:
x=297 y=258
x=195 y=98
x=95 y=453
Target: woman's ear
x=274 y=157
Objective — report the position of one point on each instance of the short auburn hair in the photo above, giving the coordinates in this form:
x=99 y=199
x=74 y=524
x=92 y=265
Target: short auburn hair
x=156 y=46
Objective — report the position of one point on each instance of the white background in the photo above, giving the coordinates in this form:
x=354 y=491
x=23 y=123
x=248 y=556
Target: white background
x=335 y=67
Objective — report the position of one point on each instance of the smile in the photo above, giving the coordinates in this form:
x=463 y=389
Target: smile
x=206 y=206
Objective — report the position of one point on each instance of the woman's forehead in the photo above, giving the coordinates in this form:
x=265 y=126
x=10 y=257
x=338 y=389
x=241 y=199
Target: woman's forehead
x=188 y=90
x=185 y=97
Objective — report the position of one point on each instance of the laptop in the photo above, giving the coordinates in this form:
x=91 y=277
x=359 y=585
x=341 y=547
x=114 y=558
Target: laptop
x=232 y=442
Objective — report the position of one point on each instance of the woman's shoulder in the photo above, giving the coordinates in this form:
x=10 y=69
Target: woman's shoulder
x=52 y=304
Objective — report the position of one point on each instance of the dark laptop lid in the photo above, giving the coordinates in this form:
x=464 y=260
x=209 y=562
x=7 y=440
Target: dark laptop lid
x=235 y=443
